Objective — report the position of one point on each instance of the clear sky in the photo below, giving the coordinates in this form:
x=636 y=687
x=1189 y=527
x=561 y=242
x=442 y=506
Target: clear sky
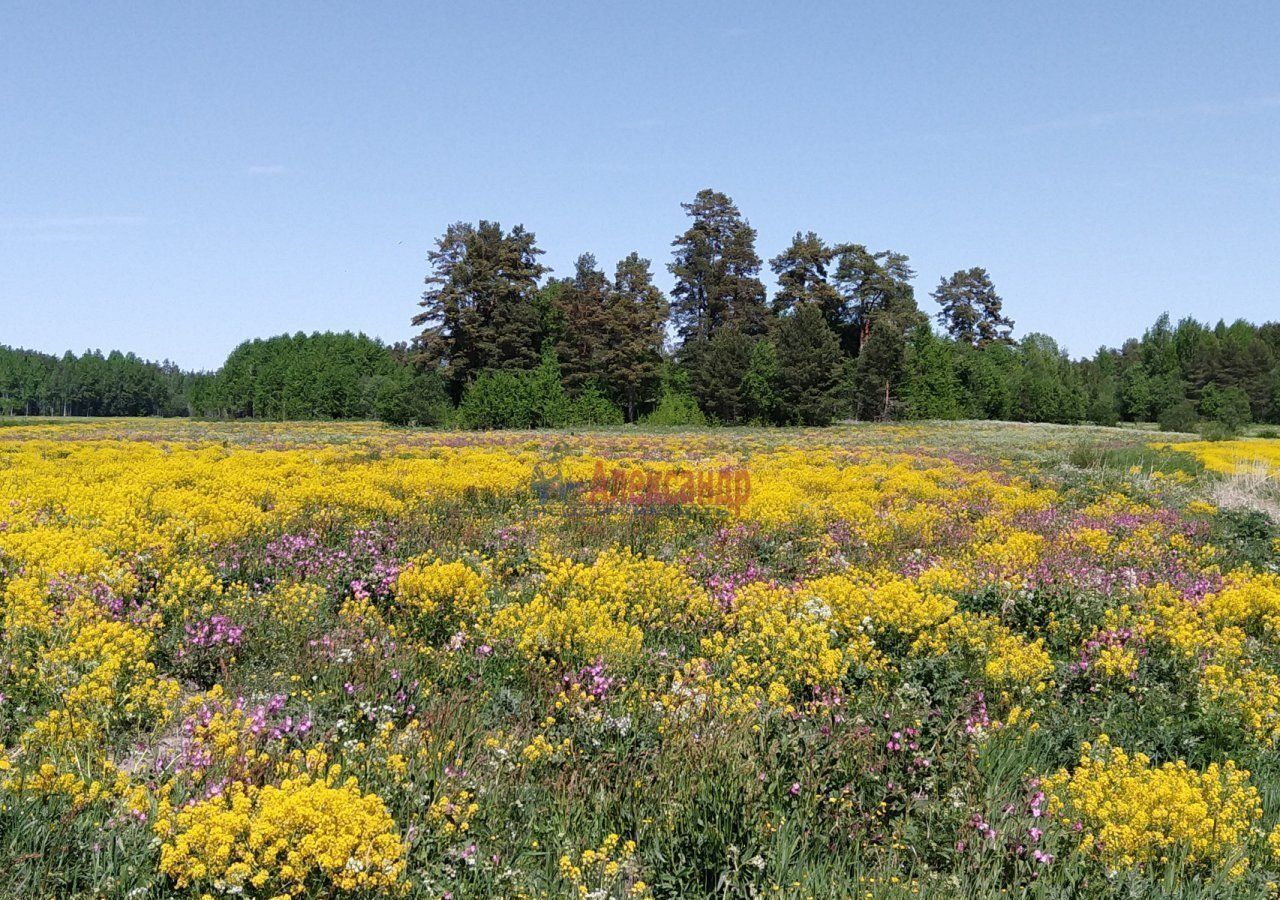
x=177 y=177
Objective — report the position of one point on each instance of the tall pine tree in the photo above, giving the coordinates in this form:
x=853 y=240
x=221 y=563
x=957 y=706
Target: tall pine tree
x=874 y=286
x=636 y=318
x=480 y=309
x=582 y=307
x=972 y=311
x=802 y=271
x=717 y=272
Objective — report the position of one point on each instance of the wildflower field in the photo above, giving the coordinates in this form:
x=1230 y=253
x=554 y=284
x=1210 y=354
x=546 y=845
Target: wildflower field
x=340 y=660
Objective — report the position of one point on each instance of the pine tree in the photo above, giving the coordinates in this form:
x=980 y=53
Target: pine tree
x=761 y=383
x=480 y=309
x=810 y=366
x=716 y=270
x=583 y=315
x=717 y=368
x=882 y=313
x=972 y=311
x=879 y=371
x=873 y=285
x=636 y=317
x=802 y=278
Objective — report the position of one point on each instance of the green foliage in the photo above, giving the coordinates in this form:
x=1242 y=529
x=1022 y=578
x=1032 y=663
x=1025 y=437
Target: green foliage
x=972 y=311
x=808 y=368
x=582 y=311
x=1049 y=388
x=481 y=308
x=405 y=397
x=932 y=389
x=988 y=378
x=592 y=407
x=1227 y=408
x=717 y=370
x=488 y=309
x=879 y=371
x=761 y=384
x=118 y=384
x=716 y=270
x=300 y=376
x=802 y=271
x=676 y=409
x=497 y=400
x=1181 y=416
x=637 y=316
x=1247 y=535
x=532 y=399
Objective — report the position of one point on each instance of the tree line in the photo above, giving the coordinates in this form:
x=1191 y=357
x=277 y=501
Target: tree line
x=91 y=384
x=842 y=336
x=501 y=342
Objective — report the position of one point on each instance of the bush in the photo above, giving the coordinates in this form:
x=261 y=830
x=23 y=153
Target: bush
x=1227 y=407
x=497 y=400
x=532 y=399
x=1102 y=411
x=405 y=397
x=591 y=407
x=1216 y=431
x=1181 y=416
x=677 y=410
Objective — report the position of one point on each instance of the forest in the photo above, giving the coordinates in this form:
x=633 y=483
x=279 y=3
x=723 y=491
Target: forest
x=502 y=343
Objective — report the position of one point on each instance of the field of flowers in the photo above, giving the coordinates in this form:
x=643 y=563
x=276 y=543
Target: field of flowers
x=341 y=660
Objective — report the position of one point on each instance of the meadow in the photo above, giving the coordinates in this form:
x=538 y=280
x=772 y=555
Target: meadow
x=346 y=660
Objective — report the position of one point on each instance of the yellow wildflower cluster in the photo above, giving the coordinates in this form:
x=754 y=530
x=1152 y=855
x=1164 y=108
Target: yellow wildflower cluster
x=1008 y=659
x=1012 y=556
x=651 y=592
x=1221 y=631
x=776 y=645
x=104 y=679
x=303 y=835
x=609 y=871
x=1133 y=812
x=569 y=629
x=452 y=590
x=882 y=601
x=451 y=816
x=584 y=612
x=1234 y=456
x=78 y=781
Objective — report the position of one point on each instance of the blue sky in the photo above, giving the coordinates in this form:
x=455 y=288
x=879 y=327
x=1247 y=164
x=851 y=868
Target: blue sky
x=178 y=177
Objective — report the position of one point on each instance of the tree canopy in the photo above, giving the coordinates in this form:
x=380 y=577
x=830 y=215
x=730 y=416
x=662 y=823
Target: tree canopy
x=501 y=343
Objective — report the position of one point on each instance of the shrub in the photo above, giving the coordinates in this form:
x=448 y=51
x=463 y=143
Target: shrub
x=1216 y=431
x=497 y=400
x=403 y=397
x=676 y=409
x=1181 y=416
x=532 y=399
x=591 y=407
x=1227 y=407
